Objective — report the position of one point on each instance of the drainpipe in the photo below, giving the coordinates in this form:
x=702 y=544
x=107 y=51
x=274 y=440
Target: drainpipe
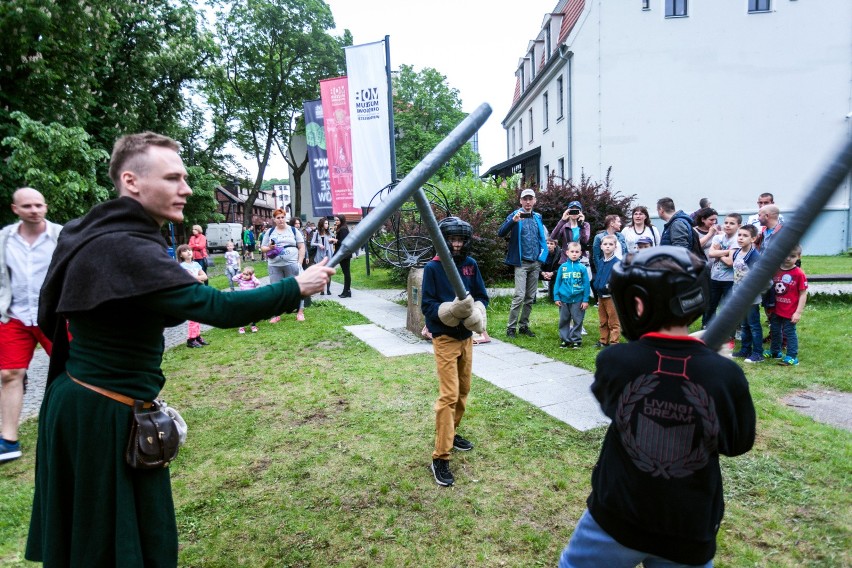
x=567 y=55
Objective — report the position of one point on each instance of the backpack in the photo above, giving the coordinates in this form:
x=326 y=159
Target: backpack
x=695 y=242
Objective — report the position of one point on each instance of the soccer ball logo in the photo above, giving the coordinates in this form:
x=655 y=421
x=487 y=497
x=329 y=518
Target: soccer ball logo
x=780 y=288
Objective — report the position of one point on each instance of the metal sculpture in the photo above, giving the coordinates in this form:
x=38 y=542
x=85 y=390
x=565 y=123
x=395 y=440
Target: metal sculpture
x=402 y=240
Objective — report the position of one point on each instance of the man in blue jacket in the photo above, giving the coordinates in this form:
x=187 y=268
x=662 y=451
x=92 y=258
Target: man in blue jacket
x=678 y=228
x=527 y=250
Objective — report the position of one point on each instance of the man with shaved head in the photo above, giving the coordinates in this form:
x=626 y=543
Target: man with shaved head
x=770 y=225
x=26 y=248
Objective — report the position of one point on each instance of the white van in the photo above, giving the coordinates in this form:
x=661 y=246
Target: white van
x=218 y=235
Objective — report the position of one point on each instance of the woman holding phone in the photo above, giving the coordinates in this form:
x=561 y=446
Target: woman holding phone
x=572 y=228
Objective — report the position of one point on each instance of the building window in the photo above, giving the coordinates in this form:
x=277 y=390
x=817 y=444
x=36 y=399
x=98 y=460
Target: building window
x=676 y=8
x=531 y=59
x=561 y=166
x=560 y=93
x=514 y=146
x=521 y=134
x=546 y=173
x=523 y=86
x=646 y=4
x=532 y=130
x=545 y=109
x=547 y=44
x=758 y=5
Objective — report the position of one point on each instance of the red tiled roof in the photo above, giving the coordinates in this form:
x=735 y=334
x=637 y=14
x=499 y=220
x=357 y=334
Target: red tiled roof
x=571 y=13
x=541 y=63
x=517 y=96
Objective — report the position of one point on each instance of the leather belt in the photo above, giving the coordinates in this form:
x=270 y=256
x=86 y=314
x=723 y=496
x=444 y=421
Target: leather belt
x=110 y=394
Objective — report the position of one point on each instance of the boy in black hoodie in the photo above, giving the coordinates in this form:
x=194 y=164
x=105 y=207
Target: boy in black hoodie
x=675 y=406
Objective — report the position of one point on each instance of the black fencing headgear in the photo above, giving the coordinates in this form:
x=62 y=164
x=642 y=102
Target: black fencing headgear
x=665 y=293
x=455 y=227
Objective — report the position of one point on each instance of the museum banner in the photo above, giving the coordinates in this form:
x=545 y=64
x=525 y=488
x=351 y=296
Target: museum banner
x=317 y=159
x=369 y=110
x=338 y=141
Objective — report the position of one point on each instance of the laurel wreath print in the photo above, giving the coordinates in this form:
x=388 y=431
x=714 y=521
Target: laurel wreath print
x=704 y=406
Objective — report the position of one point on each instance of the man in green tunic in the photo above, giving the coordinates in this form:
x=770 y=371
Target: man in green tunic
x=110 y=291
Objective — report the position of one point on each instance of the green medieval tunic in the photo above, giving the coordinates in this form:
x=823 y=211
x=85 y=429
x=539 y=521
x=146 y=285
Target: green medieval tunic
x=90 y=508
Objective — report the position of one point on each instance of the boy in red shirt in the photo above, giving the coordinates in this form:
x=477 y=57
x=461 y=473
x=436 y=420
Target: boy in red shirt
x=791 y=295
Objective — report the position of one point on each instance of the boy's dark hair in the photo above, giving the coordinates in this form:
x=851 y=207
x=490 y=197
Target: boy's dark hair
x=672 y=283
x=750 y=229
x=736 y=216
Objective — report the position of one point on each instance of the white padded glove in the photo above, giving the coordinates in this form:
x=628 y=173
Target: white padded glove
x=462 y=308
x=179 y=422
x=477 y=320
x=445 y=314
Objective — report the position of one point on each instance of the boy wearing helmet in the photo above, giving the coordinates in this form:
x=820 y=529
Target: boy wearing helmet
x=452 y=321
x=675 y=405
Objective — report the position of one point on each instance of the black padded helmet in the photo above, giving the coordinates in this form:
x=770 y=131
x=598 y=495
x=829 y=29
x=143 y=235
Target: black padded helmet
x=455 y=227
x=665 y=293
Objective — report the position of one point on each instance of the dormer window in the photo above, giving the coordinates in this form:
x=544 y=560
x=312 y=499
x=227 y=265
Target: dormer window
x=547 y=40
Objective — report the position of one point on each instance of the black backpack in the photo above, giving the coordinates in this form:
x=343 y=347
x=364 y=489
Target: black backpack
x=695 y=242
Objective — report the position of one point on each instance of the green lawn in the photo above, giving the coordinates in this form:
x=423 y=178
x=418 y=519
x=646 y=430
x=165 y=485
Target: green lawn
x=307 y=448
x=837 y=264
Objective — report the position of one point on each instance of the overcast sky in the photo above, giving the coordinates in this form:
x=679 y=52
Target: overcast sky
x=476 y=44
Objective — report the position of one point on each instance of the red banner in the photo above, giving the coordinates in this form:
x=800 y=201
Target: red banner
x=338 y=141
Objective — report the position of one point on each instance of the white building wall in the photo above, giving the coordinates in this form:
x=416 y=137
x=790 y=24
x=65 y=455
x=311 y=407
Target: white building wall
x=721 y=104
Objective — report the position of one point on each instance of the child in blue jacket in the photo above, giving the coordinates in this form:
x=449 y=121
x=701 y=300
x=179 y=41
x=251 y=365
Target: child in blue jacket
x=571 y=294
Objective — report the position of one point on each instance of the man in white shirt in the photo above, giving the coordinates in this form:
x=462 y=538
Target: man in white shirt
x=763 y=200
x=26 y=248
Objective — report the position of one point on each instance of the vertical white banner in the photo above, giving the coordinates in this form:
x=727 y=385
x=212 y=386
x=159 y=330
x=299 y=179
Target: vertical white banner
x=370 y=119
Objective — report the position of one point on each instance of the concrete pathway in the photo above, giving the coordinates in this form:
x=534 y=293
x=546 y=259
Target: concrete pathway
x=558 y=389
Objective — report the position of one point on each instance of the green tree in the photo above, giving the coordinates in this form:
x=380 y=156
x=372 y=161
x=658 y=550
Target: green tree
x=107 y=67
x=274 y=53
x=59 y=162
x=426 y=109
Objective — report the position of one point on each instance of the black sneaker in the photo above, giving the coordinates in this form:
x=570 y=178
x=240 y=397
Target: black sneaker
x=576 y=345
x=526 y=331
x=441 y=471
x=600 y=345
x=510 y=333
x=200 y=340
x=461 y=444
x=564 y=344
x=192 y=344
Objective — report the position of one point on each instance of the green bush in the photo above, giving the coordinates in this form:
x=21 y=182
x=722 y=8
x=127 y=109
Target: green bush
x=485 y=205
x=597 y=197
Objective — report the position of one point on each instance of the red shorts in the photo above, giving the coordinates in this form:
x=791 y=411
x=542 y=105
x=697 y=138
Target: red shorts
x=18 y=342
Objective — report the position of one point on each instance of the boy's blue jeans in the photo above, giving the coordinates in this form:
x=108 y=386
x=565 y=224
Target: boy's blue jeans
x=780 y=328
x=752 y=333
x=591 y=546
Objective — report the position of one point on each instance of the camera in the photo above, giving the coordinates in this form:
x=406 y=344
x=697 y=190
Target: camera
x=525 y=215
x=573 y=211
